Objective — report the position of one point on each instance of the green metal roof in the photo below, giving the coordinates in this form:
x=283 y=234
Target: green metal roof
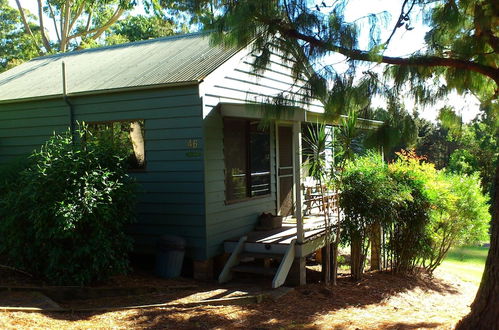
x=172 y=60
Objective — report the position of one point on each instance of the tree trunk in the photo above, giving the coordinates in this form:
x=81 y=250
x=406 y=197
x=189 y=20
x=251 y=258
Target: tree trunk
x=485 y=309
x=376 y=246
x=356 y=257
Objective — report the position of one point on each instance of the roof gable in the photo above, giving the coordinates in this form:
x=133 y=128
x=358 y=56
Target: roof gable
x=171 y=60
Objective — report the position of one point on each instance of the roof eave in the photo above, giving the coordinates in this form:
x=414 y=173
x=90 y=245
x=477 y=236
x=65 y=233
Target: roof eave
x=103 y=91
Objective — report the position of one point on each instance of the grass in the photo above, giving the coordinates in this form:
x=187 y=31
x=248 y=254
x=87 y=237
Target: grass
x=466 y=262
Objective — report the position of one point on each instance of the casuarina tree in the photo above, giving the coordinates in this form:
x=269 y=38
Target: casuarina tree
x=461 y=54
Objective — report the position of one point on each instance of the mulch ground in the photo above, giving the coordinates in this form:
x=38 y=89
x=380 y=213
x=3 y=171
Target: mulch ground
x=381 y=300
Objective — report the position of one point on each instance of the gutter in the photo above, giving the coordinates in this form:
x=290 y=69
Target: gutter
x=70 y=105
x=103 y=91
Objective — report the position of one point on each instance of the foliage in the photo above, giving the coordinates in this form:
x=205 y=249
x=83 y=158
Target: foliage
x=77 y=23
x=477 y=151
x=185 y=12
x=316 y=143
x=15 y=45
x=63 y=214
x=366 y=198
x=422 y=210
x=397 y=131
x=135 y=28
x=460 y=216
x=308 y=33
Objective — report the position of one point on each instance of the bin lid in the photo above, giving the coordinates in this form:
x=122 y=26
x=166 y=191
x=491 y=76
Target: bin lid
x=173 y=241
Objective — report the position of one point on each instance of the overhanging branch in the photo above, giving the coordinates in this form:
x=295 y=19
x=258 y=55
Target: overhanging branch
x=360 y=55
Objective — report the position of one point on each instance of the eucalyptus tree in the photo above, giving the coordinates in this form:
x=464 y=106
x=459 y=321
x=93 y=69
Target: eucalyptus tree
x=461 y=54
x=74 y=22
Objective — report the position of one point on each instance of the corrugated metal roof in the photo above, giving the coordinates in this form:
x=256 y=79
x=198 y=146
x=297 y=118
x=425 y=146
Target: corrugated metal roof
x=170 y=60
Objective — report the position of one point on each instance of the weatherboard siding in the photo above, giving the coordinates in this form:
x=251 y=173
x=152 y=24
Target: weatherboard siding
x=24 y=127
x=171 y=199
x=224 y=221
x=235 y=82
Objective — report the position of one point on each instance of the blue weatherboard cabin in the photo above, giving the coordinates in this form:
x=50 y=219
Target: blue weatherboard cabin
x=206 y=168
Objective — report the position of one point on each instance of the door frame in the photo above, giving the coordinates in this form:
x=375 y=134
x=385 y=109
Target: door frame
x=287 y=124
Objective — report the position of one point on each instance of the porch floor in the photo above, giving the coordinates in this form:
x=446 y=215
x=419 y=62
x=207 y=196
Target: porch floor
x=313 y=227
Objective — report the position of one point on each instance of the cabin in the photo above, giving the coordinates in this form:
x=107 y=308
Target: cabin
x=206 y=168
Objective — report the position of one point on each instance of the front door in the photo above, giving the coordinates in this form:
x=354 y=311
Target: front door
x=285 y=169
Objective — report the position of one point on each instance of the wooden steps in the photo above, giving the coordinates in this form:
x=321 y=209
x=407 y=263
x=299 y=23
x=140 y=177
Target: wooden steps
x=253 y=269
x=236 y=263
x=259 y=255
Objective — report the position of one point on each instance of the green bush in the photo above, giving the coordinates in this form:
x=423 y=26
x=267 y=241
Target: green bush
x=423 y=211
x=409 y=237
x=460 y=216
x=62 y=216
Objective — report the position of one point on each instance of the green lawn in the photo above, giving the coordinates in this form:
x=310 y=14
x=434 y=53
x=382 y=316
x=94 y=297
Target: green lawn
x=467 y=263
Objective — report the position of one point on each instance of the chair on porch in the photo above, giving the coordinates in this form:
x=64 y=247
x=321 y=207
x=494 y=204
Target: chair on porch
x=318 y=198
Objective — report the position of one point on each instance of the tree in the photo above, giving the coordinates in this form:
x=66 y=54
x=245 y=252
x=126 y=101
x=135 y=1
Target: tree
x=462 y=51
x=185 y=12
x=135 y=28
x=15 y=45
x=75 y=21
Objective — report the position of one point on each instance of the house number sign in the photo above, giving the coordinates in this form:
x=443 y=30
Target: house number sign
x=192 y=143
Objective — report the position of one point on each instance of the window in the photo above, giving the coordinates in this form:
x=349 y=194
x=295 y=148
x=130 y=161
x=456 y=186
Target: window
x=247 y=160
x=127 y=133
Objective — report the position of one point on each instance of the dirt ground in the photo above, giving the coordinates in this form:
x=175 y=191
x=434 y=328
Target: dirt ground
x=380 y=301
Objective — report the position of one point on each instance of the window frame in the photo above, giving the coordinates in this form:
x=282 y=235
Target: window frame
x=248 y=157
x=104 y=122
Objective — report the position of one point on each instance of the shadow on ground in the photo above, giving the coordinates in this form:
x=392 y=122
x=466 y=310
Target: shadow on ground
x=302 y=307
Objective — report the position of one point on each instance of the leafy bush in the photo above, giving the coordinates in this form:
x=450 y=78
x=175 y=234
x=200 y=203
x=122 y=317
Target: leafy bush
x=62 y=216
x=367 y=198
x=409 y=240
x=423 y=211
x=460 y=216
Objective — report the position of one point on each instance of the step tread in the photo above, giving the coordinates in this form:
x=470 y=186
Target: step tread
x=260 y=255
x=254 y=269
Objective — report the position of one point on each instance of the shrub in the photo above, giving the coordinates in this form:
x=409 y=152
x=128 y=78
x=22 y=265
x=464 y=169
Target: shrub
x=409 y=240
x=423 y=211
x=62 y=216
x=460 y=216
x=367 y=197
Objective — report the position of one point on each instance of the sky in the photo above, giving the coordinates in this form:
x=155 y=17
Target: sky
x=403 y=43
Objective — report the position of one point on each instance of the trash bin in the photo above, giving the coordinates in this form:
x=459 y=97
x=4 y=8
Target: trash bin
x=170 y=256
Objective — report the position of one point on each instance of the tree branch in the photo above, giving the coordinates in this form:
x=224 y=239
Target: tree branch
x=26 y=26
x=117 y=14
x=75 y=18
x=55 y=23
x=359 y=55
x=45 y=40
x=65 y=17
x=97 y=32
x=397 y=25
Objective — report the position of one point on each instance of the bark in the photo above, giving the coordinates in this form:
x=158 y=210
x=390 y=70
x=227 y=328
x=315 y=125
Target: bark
x=376 y=247
x=356 y=263
x=45 y=40
x=26 y=25
x=485 y=309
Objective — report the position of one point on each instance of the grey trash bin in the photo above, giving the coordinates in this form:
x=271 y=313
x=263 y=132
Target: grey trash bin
x=170 y=256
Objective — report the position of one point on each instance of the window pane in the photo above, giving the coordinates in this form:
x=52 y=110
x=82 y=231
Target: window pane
x=128 y=134
x=235 y=152
x=259 y=160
